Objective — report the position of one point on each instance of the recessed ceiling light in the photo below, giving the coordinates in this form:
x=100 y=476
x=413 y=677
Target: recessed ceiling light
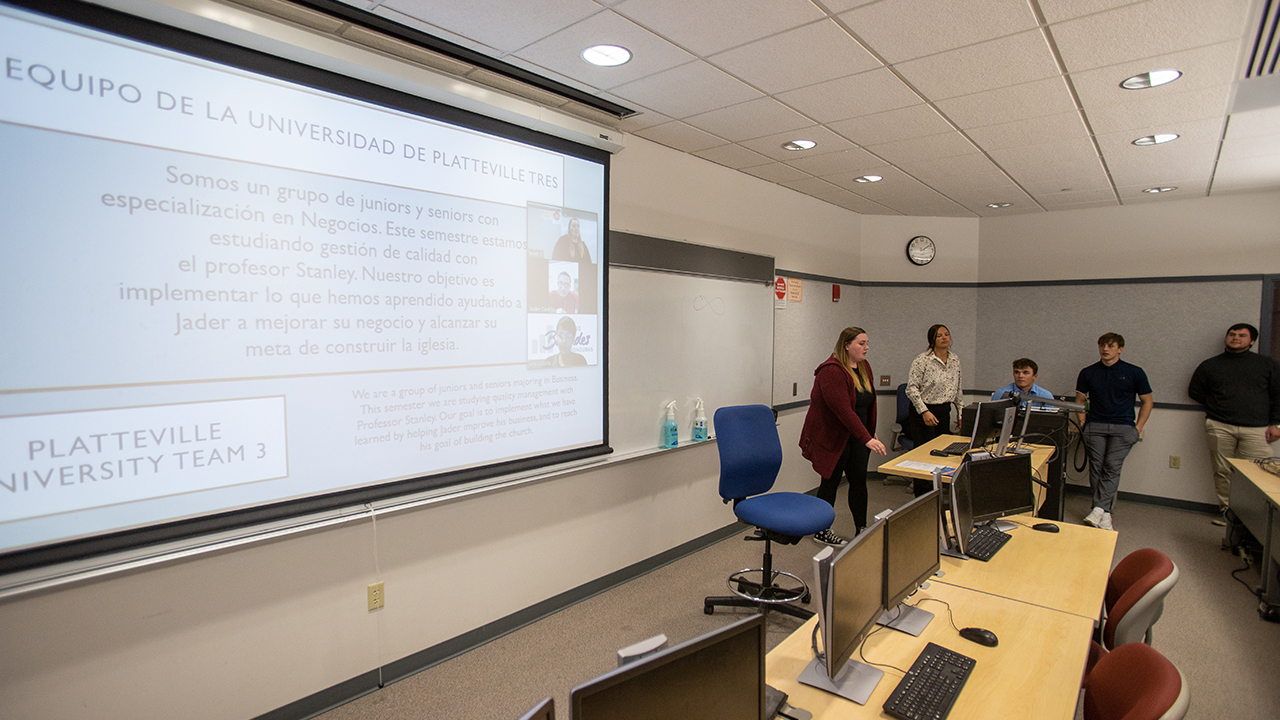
x=1155 y=190
x=799 y=145
x=606 y=55
x=999 y=205
x=1156 y=139
x=1155 y=78
x=868 y=178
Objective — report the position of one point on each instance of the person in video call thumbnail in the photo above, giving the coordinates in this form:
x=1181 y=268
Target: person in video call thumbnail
x=570 y=245
x=566 y=331
x=563 y=298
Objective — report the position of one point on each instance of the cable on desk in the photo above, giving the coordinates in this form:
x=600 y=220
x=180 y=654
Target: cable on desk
x=863 y=656
x=950 y=615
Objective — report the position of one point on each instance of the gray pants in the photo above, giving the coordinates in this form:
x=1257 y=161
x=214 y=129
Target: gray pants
x=1107 y=445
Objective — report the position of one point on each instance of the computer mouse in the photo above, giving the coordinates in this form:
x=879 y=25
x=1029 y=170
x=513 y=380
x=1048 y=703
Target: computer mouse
x=1046 y=527
x=938 y=453
x=980 y=636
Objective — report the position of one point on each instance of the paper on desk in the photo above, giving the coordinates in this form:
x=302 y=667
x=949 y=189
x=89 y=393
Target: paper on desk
x=924 y=466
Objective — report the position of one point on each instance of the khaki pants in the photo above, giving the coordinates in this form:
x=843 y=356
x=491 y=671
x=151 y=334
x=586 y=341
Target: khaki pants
x=1232 y=441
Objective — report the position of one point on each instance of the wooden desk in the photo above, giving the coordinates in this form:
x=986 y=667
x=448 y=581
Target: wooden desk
x=1039 y=457
x=1033 y=674
x=1065 y=571
x=1255 y=500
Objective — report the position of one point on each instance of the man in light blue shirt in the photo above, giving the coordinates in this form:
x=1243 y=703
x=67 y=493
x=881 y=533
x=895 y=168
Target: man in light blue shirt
x=1025 y=372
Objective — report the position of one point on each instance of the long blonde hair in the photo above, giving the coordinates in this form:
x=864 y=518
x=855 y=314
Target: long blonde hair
x=861 y=378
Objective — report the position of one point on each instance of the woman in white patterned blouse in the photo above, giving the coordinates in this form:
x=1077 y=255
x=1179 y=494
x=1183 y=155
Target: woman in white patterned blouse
x=933 y=387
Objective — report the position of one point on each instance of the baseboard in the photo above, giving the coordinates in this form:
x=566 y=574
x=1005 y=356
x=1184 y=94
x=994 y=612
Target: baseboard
x=1207 y=508
x=367 y=682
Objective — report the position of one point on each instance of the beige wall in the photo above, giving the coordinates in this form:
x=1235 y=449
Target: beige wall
x=1232 y=234
x=884 y=249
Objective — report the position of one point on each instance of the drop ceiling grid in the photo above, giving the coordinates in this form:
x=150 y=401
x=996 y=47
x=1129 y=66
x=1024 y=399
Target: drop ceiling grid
x=987 y=87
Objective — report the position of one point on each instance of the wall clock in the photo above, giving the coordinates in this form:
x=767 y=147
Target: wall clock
x=921 y=250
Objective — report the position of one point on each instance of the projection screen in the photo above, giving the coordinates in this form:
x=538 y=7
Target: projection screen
x=241 y=289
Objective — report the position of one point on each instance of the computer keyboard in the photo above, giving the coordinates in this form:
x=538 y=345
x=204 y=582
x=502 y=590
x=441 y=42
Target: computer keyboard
x=956 y=448
x=931 y=686
x=985 y=542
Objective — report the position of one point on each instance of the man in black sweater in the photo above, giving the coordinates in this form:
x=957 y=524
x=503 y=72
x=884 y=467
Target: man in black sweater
x=1240 y=392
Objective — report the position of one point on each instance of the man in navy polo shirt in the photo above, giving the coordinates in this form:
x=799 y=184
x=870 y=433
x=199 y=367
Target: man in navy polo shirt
x=1110 y=430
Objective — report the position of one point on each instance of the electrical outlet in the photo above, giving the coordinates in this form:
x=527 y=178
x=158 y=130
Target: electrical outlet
x=1175 y=462
x=377 y=596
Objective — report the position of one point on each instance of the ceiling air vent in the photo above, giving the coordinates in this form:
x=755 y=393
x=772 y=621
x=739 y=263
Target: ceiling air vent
x=1260 y=86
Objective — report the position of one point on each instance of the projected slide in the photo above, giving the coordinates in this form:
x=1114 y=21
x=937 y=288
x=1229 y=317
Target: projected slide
x=221 y=289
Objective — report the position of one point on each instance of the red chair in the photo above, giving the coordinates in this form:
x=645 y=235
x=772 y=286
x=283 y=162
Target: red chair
x=1135 y=682
x=1134 y=600
x=1135 y=596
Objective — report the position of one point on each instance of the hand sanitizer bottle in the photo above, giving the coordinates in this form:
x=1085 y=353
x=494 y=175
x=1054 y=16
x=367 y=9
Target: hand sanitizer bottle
x=700 y=423
x=670 y=432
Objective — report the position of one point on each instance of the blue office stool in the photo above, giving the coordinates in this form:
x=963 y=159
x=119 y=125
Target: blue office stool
x=750 y=457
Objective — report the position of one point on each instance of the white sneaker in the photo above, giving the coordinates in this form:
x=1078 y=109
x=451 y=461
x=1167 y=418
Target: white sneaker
x=1095 y=516
x=1105 y=522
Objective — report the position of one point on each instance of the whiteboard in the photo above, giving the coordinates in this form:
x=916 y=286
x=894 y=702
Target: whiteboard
x=681 y=337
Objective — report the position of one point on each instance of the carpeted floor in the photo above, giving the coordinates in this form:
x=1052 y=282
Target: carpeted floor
x=1210 y=628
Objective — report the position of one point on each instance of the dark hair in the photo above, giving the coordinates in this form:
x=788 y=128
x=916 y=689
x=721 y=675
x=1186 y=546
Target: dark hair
x=933 y=333
x=566 y=319
x=1109 y=338
x=1022 y=363
x=1253 y=331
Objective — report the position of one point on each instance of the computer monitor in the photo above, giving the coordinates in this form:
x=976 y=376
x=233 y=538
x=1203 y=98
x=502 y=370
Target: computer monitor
x=961 y=506
x=852 y=599
x=719 y=676
x=1000 y=486
x=545 y=710
x=911 y=557
x=993 y=420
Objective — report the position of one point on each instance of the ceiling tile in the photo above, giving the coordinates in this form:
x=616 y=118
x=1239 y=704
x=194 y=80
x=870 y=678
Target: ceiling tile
x=806 y=55
x=1059 y=10
x=641 y=120
x=973 y=163
x=752 y=119
x=775 y=172
x=1203 y=67
x=409 y=21
x=1147 y=29
x=734 y=156
x=1195 y=132
x=904 y=29
x=687 y=90
x=1253 y=123
x=1015 y=102
x=771 y=145
x=900 y=124
x=705 y=27
x=1075 y=197
x=1163 y=168
x=1187 y=188
x=958 y=184
x=853 y=96
x=930 y=147
x=977 y=197
x=1256 y=173
x=562 y=51
x=1160 y=110
x=1029 y=132
x=1045 y=186
x=814 y=186
x=681 y=137
x=850 y=163
x=523 y=22
x=1011 y=60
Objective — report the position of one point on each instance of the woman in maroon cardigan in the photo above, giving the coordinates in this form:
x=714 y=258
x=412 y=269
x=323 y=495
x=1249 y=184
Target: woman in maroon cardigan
x=839 y=432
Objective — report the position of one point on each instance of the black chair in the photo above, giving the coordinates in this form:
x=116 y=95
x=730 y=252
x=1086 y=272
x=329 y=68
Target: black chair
x=750 y=457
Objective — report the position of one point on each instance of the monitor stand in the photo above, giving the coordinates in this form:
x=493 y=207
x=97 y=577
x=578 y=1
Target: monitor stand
x=855 y=681
x=1003 y=526
x=903 y=617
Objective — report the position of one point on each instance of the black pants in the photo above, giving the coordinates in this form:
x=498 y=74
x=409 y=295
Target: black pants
x=852 y=463
x=921 y=434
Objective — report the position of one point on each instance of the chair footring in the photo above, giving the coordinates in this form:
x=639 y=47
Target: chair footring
x=767 y=590
x=709 y=605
